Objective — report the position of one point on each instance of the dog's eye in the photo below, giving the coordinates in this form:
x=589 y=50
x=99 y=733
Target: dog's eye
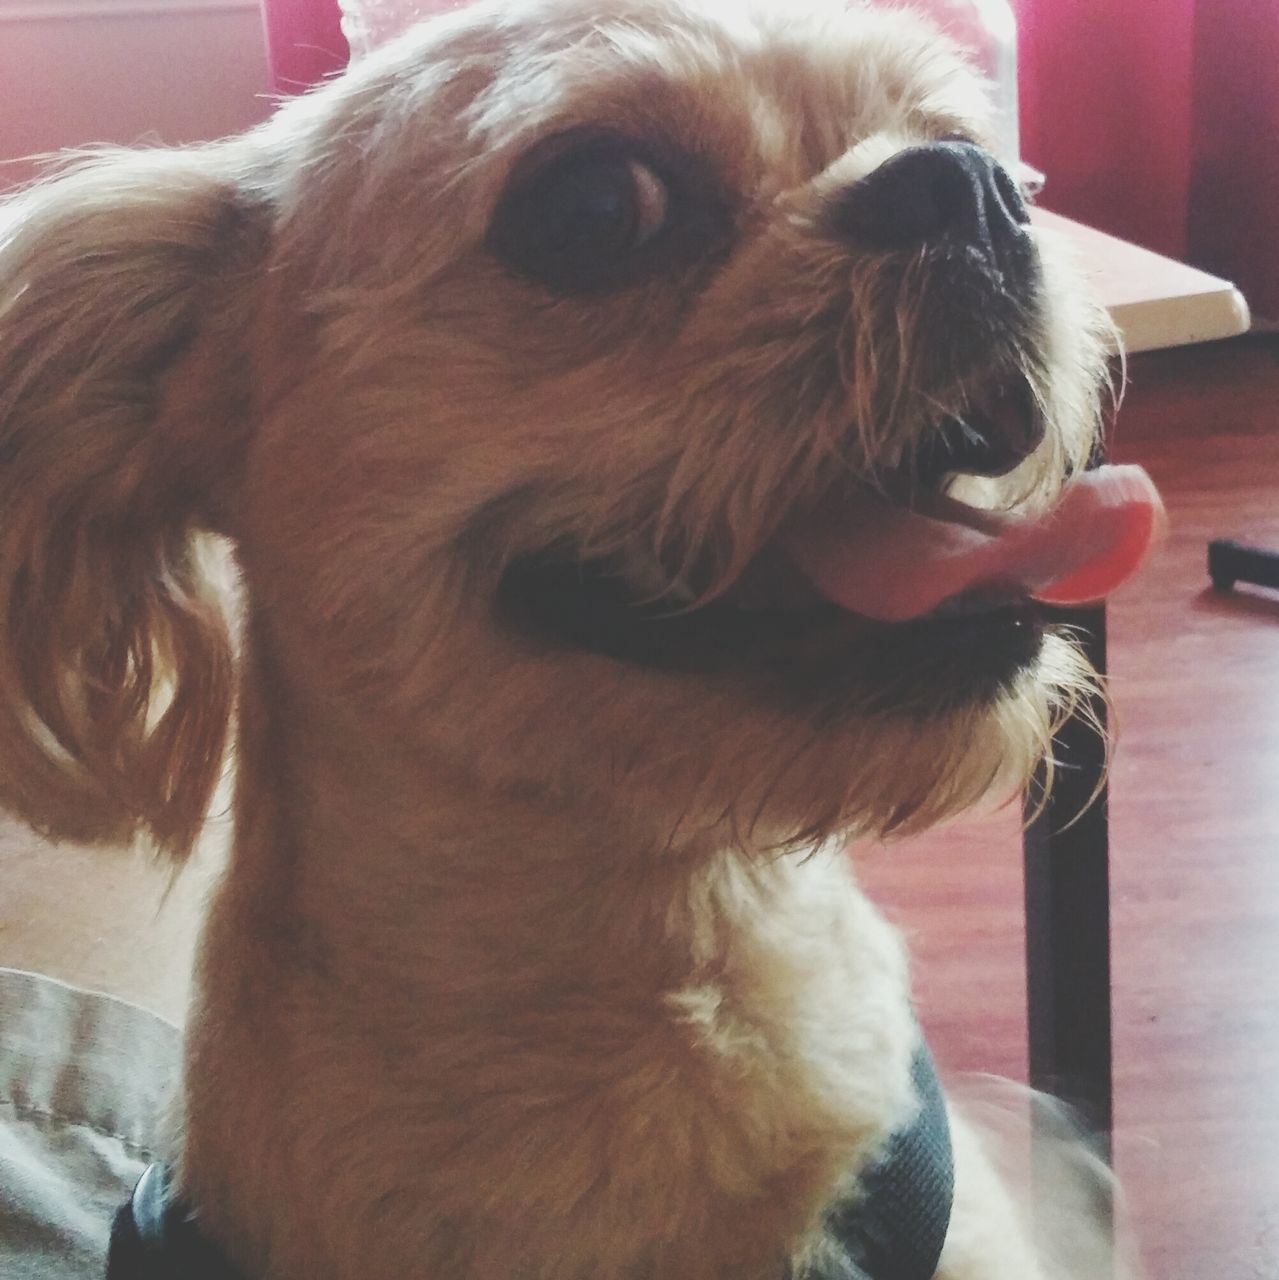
x=583 y=222
x=599 y=210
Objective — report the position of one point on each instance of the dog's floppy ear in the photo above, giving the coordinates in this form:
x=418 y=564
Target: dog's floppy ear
x=123 y=286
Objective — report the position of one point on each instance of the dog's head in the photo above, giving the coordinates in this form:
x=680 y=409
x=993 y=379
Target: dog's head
x=567 y=376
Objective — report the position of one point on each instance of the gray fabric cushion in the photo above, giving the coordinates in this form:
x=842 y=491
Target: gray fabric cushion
x=85 y=1086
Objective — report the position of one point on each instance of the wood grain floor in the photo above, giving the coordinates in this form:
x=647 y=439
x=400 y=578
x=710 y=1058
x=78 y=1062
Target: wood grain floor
x=1195 y=806
x=1195 y=846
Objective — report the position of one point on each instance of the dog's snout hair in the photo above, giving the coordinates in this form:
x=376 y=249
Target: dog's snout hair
x=505 y=365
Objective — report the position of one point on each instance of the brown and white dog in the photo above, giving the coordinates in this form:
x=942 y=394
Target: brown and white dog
x=641 y=426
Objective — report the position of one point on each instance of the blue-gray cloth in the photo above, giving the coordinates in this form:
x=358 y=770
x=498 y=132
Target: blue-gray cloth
x=85 y=1085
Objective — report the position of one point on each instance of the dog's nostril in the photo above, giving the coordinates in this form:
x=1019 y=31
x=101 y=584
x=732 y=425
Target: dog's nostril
x=944 y=189
x=1010 y=196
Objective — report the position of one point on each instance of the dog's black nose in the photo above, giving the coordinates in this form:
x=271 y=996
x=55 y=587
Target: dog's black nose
x=949 y=190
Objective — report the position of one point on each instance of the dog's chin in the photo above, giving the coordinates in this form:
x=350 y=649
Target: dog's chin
x=789 y=646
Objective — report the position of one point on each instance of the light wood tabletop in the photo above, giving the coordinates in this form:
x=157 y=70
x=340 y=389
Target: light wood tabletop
x=1154 y=301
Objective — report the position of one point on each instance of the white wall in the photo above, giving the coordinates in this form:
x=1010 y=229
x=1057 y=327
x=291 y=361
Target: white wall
x=79 y=71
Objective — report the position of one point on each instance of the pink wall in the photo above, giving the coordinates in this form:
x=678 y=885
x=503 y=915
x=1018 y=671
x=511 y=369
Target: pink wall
x=1106 y=111
x=304 y=42
x=74 y=72
x=1158 y=120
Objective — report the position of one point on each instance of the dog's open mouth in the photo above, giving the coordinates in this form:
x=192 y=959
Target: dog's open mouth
x=897 y=563
x=886 y=580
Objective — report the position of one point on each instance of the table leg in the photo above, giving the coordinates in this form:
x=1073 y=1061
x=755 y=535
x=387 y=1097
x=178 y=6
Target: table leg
x=1068 y=916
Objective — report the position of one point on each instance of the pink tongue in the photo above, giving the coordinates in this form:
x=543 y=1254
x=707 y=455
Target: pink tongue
x=893 y=564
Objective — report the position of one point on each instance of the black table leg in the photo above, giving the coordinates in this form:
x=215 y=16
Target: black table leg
x=1067 y=858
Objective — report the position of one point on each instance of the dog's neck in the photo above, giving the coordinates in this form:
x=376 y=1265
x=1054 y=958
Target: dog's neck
x=403 y=961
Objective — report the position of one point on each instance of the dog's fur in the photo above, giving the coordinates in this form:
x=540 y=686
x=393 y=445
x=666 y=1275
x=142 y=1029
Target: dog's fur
x=530 y=961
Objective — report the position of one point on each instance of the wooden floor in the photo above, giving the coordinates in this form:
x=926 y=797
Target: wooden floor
x=1195 y=806
x=1195 y=846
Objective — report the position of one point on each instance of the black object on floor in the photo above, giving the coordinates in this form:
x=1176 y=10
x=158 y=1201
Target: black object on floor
x=1231 y=562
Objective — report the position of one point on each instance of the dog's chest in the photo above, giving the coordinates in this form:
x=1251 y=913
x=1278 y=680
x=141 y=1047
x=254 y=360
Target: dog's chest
x=798 y=1011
